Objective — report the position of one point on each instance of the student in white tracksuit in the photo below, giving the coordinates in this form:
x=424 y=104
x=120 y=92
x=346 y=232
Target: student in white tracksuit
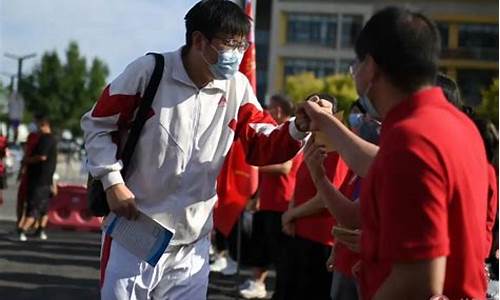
x=201 y=106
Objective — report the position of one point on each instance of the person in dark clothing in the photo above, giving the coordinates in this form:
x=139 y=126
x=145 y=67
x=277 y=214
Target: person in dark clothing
x=41 y=165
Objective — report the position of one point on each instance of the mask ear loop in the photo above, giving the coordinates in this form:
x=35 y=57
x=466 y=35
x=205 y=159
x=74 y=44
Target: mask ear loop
x=213 y=48
x=359 y=106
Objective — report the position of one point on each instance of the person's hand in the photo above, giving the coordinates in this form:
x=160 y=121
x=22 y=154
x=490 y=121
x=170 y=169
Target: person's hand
x=330 y=262
x=121 y=201
x=356 y=269
x=350 y=238
x=302 y=120
x=310 y=111
x=287 y=222
x=21 y=172
x=315 y=155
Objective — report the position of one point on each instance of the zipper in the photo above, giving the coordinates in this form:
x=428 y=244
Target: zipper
x=196 y=120
x=197 y=114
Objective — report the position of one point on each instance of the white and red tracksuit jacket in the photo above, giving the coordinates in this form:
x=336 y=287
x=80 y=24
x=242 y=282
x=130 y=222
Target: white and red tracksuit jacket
x=183 y=143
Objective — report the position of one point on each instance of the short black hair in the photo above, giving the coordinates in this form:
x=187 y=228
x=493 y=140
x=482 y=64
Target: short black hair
x=450 y=90
x=327 y=97
x=41 y=118
x=488 y=134
x=285 y=103
x=212 y=17
x=404 y=44
x=357 y=104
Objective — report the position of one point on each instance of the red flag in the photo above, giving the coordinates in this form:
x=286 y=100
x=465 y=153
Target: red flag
x=247 y=66
x=237 y=181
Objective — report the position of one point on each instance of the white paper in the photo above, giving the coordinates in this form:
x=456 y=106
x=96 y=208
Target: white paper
x=143 y=237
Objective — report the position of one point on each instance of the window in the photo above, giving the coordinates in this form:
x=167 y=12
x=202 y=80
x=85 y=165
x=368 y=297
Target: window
x=319 y=29
x=344 y=66
x=351 y=27
x=471 y=82
x=320 y=67
x=479 y=41
x=444 y=30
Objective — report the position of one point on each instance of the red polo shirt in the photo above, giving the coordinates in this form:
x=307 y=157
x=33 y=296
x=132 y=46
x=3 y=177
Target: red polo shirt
x=492 y=206
x=424 y=196
x=317 y=227
x=276 y=190
x=345 y=259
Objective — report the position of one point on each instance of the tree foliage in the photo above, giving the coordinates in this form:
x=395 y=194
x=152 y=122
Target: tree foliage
x=489 y=106
x=64 y=91
x=299 y=86
x=341 y=86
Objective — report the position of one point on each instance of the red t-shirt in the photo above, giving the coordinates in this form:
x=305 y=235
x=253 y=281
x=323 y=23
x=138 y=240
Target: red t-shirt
x=275 y=190
x=317 y=227
x=492 y=206
x=424 y=196
x=345 y=259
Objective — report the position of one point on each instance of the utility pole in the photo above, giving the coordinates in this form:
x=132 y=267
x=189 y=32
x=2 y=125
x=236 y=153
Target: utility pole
x=11 y=76
x=20 y=60
x=16 y=108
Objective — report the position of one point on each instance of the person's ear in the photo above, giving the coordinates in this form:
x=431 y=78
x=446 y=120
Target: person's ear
x=198 y=40
x=371 y=68
x=279 y=112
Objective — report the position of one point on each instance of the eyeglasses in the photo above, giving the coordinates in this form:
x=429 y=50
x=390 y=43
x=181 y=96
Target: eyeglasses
x=234 y=44
x=353 y=67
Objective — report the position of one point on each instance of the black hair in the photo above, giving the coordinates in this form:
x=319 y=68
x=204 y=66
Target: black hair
x=41 y=118
x=358 y=106
x=212 y=17
x=489 y=136
x=450 y=90
x=404 y=44
x=285 y=103
x=327 y=97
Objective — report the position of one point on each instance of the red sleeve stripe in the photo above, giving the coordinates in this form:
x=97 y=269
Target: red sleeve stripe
x=106 y=249
x=124 y=105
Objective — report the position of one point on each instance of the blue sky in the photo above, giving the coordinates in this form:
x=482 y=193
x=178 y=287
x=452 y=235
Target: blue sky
x=117 y=31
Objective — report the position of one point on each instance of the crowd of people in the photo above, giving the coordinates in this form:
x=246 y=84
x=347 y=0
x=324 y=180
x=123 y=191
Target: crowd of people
x=401 y=203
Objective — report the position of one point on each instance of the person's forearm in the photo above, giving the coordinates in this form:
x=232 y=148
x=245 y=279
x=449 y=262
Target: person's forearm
x=283 y=168
x=414 y=281
x=311 y=207
x=35 y=159
x=356 y=152
x=345 y=211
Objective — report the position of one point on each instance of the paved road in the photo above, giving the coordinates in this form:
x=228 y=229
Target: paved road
x=66 y=266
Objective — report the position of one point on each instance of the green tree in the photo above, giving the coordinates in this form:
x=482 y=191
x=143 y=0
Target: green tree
x=489 y=106
x=299 y=86
x=64 y=91
x=341 y=86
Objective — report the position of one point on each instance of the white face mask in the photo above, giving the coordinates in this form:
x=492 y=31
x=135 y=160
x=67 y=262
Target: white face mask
x=228 y=63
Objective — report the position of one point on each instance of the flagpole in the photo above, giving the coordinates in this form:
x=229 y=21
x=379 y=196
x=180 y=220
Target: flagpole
x=248 y=68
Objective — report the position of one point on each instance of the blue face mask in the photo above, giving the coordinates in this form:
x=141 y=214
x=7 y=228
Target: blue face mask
x=370 y=131
x=368 y=106
x=355 y=120
x=228 y=63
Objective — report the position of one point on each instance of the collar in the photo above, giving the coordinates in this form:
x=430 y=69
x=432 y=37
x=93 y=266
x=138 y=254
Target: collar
x=179 y=73
x=430 y=96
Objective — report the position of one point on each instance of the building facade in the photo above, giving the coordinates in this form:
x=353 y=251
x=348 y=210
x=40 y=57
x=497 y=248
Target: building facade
x=319 y=35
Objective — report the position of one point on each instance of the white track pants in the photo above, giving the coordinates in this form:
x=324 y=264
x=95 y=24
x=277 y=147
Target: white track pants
x=181 y=273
